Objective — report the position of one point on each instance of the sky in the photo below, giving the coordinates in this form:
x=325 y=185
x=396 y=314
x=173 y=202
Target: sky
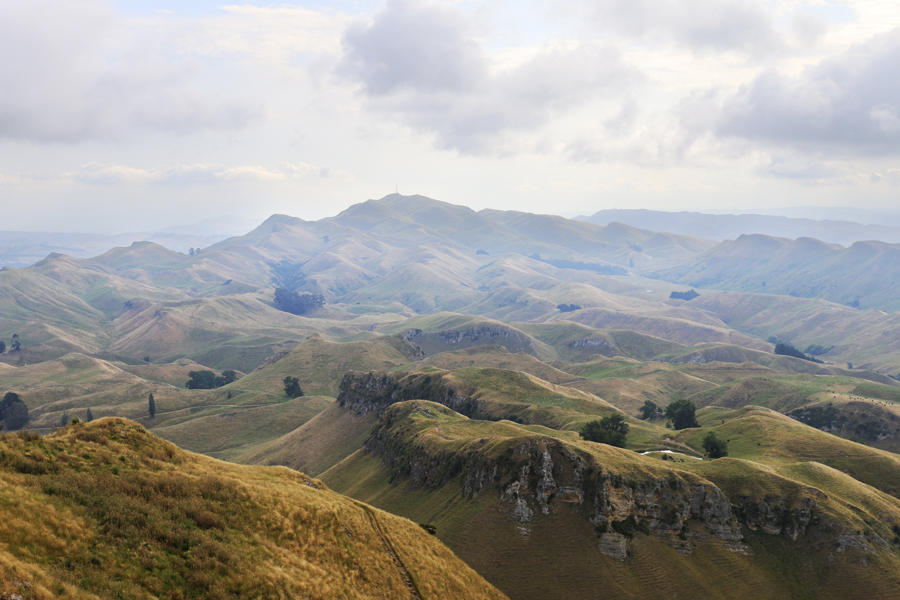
x=141 y=115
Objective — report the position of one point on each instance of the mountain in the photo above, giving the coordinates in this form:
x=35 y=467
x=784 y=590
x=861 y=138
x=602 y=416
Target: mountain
x=106 y=509
x=730 y=226
x=864 y=275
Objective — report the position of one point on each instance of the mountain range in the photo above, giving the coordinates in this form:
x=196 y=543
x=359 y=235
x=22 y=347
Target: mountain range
x=446 y=378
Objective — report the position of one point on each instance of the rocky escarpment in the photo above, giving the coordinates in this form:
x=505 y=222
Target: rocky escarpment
x=467 y=337
x=362 y=393
x=861 y=421
x=538 y=475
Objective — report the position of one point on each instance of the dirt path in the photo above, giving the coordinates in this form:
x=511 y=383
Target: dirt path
x=389 y=548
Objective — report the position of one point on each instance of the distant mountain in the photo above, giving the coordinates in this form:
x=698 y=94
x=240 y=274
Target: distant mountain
x=865 y=275
x=23 y=248
x=725 y=226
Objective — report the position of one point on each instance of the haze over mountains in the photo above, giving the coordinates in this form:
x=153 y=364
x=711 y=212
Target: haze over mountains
x=446 y=378
x=730 y=226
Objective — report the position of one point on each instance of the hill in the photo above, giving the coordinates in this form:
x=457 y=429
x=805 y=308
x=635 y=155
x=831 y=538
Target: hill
x=106 y=509
x=864 y=275
x=530 y=507
x=730 y=226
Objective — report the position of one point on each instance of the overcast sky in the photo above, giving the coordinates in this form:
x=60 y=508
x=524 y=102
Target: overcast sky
x=137 y=115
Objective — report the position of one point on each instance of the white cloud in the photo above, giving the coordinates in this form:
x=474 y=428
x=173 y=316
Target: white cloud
x=846 y=105
x=191 y=174
x=421 y=64
x=77 y=70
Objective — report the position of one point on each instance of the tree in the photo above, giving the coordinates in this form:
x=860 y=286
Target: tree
x=297 y=304
x=202 y=380
x=16 y=344
x=682 y=413
x=2 y=346
x=88 y=416
x=13 y=412
x=227 y=377
x=151 y=406
x=64 y=419
x=649 y=410
x=715 y=448
x=608 y=430
x=292 y=387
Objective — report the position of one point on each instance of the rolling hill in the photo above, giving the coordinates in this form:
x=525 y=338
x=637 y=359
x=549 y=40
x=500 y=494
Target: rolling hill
x=106 y=509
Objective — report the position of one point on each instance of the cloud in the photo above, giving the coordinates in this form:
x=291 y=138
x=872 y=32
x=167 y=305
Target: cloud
x=191 y=174
x=741 y=25
x=421 y=64
x=412 y=46
x=77 y=70
x=847 y=105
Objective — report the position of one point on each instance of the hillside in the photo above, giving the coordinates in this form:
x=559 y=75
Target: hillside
x=530 y=506
x=730 y=226
x=107 y=510
x=864 y=275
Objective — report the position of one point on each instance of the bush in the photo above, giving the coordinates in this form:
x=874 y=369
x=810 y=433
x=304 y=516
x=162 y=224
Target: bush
x=682 y=413
x=610 y=430
x=715 y=448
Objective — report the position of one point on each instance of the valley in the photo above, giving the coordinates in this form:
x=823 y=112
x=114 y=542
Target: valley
x=447 y=369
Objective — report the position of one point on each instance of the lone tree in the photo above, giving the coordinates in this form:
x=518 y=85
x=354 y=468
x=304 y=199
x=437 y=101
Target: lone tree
x=16 y=344
x=292 y=387
x=13 y=412
x=151 y=405
x=715 y=448
x=2 y=346
x=650 y=410
x=682 y=413
x=88 y=416
x=610 y=430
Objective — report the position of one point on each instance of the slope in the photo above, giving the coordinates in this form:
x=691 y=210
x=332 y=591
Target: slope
x=106 y=509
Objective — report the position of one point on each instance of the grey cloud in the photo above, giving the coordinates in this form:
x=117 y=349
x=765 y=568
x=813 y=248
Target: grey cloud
x=413 y=46
x=419 y=63
x=846 y=105
x=76 y=70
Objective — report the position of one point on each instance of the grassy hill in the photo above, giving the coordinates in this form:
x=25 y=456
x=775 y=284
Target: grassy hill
x=106 y=509
x=531 y=507
x=864 y=274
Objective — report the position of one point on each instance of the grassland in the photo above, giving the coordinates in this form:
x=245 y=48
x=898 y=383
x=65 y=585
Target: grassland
x=107 y=510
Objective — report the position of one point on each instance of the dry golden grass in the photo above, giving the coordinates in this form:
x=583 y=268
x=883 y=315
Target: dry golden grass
x=108 y=510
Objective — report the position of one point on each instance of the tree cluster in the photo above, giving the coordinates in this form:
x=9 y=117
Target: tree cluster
x=297 y=304
x=208 y=380
x=715 y=448
x=13 y=412
x=610 y=430
x=786 y=349
x=682 y=413
x=688 y=295
x=292 y=387
x=650 y=411
x=568 y=307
